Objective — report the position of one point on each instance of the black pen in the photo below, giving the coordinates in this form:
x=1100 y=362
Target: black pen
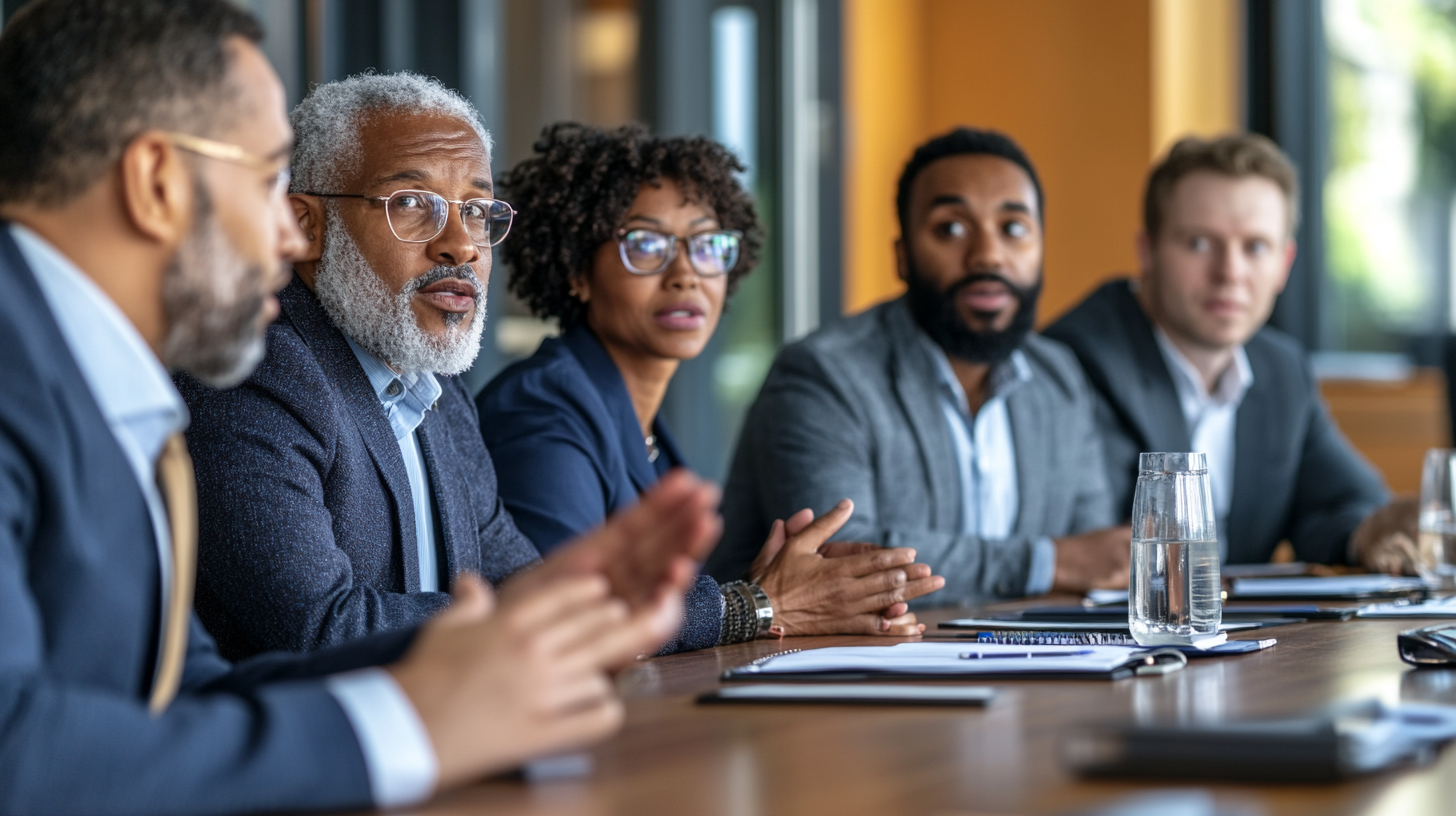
x=1001 y=655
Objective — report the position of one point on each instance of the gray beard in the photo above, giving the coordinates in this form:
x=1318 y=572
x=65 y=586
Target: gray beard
x=383 y=324
x=212 y=301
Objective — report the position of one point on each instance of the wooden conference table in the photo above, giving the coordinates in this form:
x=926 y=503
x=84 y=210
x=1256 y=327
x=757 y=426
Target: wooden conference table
x=677 y=757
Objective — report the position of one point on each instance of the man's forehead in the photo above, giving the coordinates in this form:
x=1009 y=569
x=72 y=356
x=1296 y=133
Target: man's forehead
x=413 y=146
x=260 y=119
x=973 y=177
x=1247 y=202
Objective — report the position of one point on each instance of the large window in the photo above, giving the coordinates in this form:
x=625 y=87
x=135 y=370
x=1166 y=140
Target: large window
x=1391 y=181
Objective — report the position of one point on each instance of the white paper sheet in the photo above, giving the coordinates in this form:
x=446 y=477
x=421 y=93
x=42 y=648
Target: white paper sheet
x=946 y=658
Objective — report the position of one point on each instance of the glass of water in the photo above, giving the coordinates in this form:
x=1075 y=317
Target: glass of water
x=1174 y=598
x=1438 y=519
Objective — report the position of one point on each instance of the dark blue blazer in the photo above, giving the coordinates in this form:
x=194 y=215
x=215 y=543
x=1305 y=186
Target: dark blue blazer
x=569 y=452
x=79 y=611
x=307 y=526
x=1296 y=477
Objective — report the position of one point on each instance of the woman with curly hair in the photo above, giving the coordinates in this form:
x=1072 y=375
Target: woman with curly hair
x=633 y=244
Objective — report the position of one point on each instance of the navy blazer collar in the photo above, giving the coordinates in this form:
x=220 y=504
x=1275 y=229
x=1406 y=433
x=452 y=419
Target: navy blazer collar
x=606 y=378
x=342 y=367
x=1150 y=401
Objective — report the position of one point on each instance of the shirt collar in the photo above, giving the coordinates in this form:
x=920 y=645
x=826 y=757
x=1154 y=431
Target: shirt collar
x=1005 y=376
x=1235 y=381
x=124 y=375
x=406 y=397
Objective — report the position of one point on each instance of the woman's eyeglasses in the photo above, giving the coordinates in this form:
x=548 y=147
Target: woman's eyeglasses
x=648 y=252
x=417 y=216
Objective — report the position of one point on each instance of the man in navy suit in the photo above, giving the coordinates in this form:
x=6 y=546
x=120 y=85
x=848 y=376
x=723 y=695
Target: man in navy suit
x=143 y=159
x=354 y=431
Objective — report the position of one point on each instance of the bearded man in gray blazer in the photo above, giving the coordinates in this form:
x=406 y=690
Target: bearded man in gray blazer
x=955 y=430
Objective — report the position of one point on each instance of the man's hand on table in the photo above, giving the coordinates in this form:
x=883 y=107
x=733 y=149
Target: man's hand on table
x=1386 y=540
x=1095 y=560
x=820 y=588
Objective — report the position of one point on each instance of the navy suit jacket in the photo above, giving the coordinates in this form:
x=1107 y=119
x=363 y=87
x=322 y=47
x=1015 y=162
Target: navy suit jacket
x=1295 y=475
x=307 y=535
x=79 y=612
x=569 y=451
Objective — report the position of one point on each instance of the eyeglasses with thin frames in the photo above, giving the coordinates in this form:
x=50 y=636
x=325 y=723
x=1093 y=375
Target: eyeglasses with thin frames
x=419 y=216
x=648 y=252
x=222 y=151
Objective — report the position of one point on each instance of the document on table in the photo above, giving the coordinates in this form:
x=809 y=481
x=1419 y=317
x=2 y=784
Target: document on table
x=1335 y=586
x=1440 y=608
x=959 y=660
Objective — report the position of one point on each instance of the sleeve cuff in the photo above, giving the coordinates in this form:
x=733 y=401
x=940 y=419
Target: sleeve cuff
x=403 y=768
x=1043 y=569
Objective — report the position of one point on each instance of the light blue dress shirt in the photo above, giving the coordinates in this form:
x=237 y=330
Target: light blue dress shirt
x=142 y=409
x=986 y=456
x=406 y=397
x=1212 y=418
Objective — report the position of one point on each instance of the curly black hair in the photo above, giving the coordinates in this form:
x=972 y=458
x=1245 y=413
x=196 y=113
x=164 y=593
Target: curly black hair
x=573 y=194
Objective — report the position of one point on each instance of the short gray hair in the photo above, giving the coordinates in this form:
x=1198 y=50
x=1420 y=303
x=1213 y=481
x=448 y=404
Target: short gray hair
x=326 y=124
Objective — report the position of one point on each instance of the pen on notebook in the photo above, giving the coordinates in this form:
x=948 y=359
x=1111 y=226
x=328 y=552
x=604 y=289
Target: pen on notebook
x=1010 y=655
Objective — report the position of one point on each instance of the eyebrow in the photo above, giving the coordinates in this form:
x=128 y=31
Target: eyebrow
x=655 y=222
x=955 y=200
x=478 y=183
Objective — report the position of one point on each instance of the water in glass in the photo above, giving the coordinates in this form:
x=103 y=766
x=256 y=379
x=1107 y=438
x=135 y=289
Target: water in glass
x=1437 y=542
x=1174 y=597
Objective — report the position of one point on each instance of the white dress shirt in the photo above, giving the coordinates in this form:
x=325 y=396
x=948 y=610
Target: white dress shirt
x=986 y=458
x=142 y=408
x=405 y=398
x=1212 y=418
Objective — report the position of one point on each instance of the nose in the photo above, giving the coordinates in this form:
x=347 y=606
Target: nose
x=453 y=246
x=1229 y=264
x=680 y=275
x=985 y=251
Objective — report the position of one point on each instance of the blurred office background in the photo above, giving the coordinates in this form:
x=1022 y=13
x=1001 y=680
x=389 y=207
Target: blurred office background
x=824 y=100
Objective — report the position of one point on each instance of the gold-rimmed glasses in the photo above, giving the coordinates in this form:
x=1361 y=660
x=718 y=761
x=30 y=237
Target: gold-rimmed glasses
x=417 y=216
x=222 y=151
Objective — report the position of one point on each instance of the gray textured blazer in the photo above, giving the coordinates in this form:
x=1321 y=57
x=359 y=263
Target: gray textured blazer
x=853 y=410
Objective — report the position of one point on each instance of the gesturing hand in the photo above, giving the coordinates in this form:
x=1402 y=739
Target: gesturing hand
x=650 y=548
x=820 y=589
x=495 y=688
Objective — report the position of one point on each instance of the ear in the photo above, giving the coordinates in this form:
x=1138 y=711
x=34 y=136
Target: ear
x=157 y=189
x=309 y=210
x=581 y=288
x=902 y=261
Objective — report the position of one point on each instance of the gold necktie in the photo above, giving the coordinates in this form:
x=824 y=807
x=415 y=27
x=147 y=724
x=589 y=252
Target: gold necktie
x=179 y=491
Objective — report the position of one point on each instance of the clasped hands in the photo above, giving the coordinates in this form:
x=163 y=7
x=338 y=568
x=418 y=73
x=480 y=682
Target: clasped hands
x=820 y=588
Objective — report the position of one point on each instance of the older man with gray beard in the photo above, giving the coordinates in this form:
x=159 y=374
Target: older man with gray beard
x=344 y=486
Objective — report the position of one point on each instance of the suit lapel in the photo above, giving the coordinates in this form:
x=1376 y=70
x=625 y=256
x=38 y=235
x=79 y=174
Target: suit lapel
x=1146 y=393
x=1033 y=460
x=344 y=372
x=607 y=379
x=914 y=382
x=1254 y=431
x=442 y=477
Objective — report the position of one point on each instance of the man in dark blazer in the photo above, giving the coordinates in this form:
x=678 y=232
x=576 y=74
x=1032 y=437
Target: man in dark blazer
x=141 y=224
x=354 y=432
x=1181 y=360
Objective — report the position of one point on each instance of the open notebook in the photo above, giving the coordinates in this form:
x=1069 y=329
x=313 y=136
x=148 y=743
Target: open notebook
x=958 y=661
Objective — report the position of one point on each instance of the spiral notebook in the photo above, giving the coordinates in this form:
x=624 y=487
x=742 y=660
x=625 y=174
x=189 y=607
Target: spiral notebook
x=1115 y=639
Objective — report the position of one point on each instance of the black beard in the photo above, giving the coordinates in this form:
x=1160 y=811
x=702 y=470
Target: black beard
x=935 y=312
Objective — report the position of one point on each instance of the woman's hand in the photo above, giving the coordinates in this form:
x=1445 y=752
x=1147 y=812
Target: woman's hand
x=838 y=588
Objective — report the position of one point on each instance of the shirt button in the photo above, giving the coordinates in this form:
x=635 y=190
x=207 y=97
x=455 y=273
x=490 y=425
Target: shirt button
x=394 y=389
